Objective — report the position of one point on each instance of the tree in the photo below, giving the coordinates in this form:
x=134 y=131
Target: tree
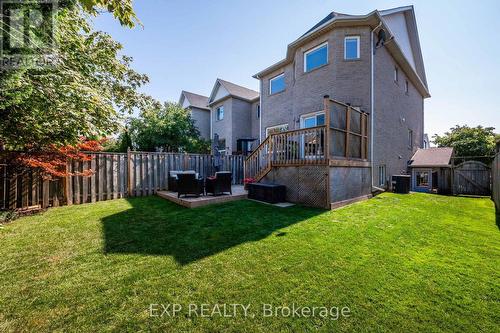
x=121 y=9
x=84 y=94
x=469 y=141
x=120 y=144
x=166 y=127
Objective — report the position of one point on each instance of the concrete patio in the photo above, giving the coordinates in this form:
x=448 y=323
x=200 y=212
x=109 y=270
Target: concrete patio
x=192 y=202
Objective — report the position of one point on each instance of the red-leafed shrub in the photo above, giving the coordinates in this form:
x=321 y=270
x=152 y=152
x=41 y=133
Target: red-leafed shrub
x=52 y=160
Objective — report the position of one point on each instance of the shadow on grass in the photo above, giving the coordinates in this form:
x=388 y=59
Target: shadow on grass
x=497 y=215
x=155 y=226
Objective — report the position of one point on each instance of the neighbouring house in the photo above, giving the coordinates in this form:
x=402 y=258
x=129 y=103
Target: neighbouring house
x=200 y=112
x=349 y=95
x=431 y=170
x=234 y=119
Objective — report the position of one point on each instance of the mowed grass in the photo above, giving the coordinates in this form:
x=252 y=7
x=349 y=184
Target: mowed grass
x=409 y=263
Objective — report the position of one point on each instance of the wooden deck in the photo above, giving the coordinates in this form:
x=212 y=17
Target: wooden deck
x=192 y=202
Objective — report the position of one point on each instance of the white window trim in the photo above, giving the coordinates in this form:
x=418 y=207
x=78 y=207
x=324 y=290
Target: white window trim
x=217 y=113
x=312 y=50
x=358 y=47
x=274 y=78
x=308 y=115
x=274 y=127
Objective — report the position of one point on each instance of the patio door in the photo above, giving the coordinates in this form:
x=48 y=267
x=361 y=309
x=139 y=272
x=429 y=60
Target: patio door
x=309 y=147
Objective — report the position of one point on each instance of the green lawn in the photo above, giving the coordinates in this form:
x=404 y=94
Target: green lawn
x=413 y=262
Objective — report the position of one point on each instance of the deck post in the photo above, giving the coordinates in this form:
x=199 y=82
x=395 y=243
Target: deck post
x=326 y=105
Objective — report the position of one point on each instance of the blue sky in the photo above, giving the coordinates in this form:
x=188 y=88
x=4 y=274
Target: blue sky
x=188 y=44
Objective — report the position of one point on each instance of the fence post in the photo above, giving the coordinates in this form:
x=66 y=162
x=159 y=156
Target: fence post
x=45 y=193
x=12 y=192
x=129 y=167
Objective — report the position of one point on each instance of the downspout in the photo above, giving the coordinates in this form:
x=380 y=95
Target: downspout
x=372 y=99
x=260 y=113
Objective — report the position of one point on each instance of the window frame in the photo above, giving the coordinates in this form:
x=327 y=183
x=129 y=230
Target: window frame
x=396 y=74
x=217 y=113
x=271 y=85
x=258 y=111
x=310 y=115
x=316 y=48
x=358 y=48
x=382 y=174
x=418 y=176
x=410 y=139
x=407 y=87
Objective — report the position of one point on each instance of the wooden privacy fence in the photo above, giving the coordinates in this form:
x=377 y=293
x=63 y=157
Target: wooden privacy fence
x=495 y=175
x=115 y=175
x=472 y=178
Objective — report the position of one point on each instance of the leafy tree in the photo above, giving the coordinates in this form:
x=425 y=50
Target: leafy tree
x=120 y=144
x=166 y=127
x=84 y=94
x=469 y=141
x=121 y=9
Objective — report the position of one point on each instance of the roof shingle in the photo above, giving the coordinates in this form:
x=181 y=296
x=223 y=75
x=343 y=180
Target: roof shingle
x=198 y=101
x=432 y=157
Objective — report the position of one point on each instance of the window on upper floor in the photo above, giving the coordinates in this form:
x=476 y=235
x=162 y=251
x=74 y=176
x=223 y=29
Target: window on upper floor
x=410 y=139
x=351 y=48
x=396 y=74
x=406 y=86
x=219 y=113
x=316 y=57
x=258 y=110
x=277 y=84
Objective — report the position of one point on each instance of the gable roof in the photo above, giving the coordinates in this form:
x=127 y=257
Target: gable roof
x=195 y=100
x=233 y=90
x=432 y=157
x=413 y=67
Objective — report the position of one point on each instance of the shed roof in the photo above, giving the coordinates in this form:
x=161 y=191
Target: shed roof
x=432 y=157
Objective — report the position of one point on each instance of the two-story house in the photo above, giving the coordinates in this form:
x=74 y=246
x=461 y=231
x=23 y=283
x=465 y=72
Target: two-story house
x=199 y=111
x=235 y=116
x=371 y=62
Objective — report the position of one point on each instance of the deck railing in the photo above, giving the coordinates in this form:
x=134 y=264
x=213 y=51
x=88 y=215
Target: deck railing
x=344 y=136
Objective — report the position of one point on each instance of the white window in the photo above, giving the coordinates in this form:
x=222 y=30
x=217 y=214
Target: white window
x=351 y=47
x=406 y=86
x=312 y=119
x=422 y=178
x=410 y=139
x=381 y=175
x=219 y=113
x=276 y=129
x=316 y=57
x=277 y=84
x=396 y=74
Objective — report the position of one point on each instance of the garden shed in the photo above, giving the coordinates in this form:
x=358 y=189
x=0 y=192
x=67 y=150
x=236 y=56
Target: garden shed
x=431 y=170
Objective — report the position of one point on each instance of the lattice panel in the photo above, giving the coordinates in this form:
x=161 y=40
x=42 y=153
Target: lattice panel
x=313 y=186
x=305 y=185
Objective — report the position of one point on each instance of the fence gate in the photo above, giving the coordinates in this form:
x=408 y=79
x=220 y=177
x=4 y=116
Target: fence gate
x=472 y=178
